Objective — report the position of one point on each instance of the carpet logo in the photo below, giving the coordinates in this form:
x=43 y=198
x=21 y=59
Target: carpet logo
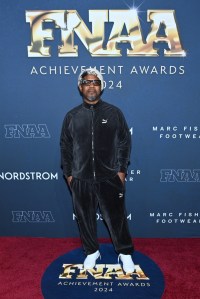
x=66 y=277
x=101 y=271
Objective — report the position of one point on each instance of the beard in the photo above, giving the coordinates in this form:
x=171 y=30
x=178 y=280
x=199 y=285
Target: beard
x=92 y=98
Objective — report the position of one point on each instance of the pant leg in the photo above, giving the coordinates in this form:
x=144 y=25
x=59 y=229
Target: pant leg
x=85 y=207
x=112 y=205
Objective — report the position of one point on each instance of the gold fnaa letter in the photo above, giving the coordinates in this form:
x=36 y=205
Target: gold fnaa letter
x=70 y=22
x=38 y=34
x=92 y=41
x=167 y=19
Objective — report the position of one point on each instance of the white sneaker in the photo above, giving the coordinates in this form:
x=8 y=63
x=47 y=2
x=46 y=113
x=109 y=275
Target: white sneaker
x=90 y=260
x=127 y=262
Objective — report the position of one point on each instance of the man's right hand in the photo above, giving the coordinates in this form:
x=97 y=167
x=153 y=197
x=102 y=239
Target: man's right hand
x=69 y=178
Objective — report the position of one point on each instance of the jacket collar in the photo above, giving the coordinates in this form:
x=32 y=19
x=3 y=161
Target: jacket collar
x=92 y=106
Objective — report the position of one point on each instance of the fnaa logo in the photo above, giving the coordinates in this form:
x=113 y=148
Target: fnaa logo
x=69 y=22
x=32 y=216
x=101 y=271
x=180 y=175
x=26 y=131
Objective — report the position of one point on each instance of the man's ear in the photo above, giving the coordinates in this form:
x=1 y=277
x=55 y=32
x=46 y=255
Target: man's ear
x=80 y=88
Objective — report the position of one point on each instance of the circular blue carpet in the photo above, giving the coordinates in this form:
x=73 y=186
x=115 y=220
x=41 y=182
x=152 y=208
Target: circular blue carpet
x=66 y=279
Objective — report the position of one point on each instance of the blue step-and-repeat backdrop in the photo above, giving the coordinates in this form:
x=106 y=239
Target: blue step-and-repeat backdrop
x=148 y=52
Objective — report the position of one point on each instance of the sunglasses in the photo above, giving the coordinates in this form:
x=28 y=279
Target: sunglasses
x=89 y=82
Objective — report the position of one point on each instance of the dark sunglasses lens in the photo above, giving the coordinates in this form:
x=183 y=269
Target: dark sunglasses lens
x=88 y=82
x=97 y=82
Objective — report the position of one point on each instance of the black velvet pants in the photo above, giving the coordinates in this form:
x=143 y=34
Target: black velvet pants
x=109 y=196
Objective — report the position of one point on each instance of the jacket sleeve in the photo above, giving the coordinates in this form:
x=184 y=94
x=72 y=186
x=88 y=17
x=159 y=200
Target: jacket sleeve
x=124 y=144
x=66 y=147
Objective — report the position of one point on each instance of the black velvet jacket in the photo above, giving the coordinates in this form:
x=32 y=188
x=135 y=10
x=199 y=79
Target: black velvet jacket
x=95 y=142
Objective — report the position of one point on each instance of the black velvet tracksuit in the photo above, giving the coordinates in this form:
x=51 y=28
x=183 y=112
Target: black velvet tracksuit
x=95 y=146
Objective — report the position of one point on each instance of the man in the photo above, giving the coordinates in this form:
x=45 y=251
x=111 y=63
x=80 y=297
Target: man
x=95 y=149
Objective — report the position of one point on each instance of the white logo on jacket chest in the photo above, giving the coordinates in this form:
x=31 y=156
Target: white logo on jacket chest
x=104 y=121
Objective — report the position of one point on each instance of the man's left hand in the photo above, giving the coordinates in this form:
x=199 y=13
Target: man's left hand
x=122 y=176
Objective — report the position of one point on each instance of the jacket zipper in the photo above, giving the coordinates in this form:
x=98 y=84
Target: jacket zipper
x=94 y=174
